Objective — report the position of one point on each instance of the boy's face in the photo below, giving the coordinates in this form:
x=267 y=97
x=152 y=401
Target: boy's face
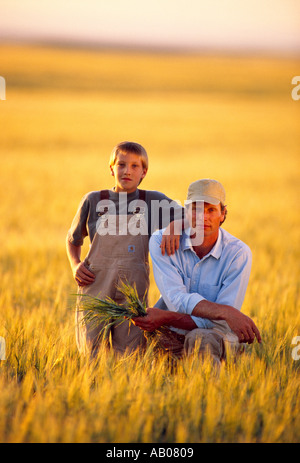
x=128 y=172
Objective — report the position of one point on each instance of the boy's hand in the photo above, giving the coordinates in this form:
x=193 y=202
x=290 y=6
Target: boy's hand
x=171 y=238
x=82 y=275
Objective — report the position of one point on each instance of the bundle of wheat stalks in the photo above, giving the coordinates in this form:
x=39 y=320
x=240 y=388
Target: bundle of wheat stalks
x=108 y=313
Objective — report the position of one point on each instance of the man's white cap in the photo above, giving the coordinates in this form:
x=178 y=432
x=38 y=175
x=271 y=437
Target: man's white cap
x=207 y=190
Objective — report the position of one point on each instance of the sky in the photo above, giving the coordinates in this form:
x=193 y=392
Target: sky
x=272 y=25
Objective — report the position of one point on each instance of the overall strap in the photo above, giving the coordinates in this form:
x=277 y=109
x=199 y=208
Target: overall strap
x=142 y=195
x=104 y=194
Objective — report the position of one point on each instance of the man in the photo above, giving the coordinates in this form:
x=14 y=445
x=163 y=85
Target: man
x=203 y=284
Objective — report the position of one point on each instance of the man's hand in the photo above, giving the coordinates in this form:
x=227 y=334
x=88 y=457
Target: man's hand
x=243 y=326
x=154 y=319
x=171 y=238
x=82 y=275
x=239 y=323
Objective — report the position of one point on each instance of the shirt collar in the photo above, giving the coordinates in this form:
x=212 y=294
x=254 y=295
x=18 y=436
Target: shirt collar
x=215 y=252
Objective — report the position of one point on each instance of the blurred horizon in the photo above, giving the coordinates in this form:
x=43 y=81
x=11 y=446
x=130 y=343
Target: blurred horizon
x=149 y=49
x=227 y=26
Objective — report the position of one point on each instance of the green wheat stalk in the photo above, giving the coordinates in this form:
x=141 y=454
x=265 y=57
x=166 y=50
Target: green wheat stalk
x=107 y=312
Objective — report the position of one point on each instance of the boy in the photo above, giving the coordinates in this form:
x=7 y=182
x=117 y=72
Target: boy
x=119 y=223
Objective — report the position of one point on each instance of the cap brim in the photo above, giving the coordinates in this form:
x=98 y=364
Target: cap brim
x=205 y=199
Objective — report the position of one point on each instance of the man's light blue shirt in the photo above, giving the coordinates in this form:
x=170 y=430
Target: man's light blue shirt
x=184 y=279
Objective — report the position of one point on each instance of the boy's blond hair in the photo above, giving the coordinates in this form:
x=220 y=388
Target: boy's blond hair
x=128 y=147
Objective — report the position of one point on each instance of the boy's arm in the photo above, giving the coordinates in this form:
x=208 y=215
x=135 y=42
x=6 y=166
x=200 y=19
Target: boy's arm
x=168 y=214
x=171 y=237
x=74 y=241
x=81 y=274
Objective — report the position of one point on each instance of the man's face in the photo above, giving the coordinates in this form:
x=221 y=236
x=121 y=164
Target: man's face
x=206 y=217
x=128 y=172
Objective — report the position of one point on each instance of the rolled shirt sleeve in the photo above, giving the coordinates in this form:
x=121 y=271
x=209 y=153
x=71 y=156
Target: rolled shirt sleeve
x=78 y=230
x=184 y=280
x=171 y=283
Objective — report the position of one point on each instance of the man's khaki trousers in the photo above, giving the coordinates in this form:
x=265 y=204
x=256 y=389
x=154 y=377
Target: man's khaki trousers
x=218 y=343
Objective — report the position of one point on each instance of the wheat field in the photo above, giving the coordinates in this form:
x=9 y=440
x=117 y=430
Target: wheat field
x=231 y=118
